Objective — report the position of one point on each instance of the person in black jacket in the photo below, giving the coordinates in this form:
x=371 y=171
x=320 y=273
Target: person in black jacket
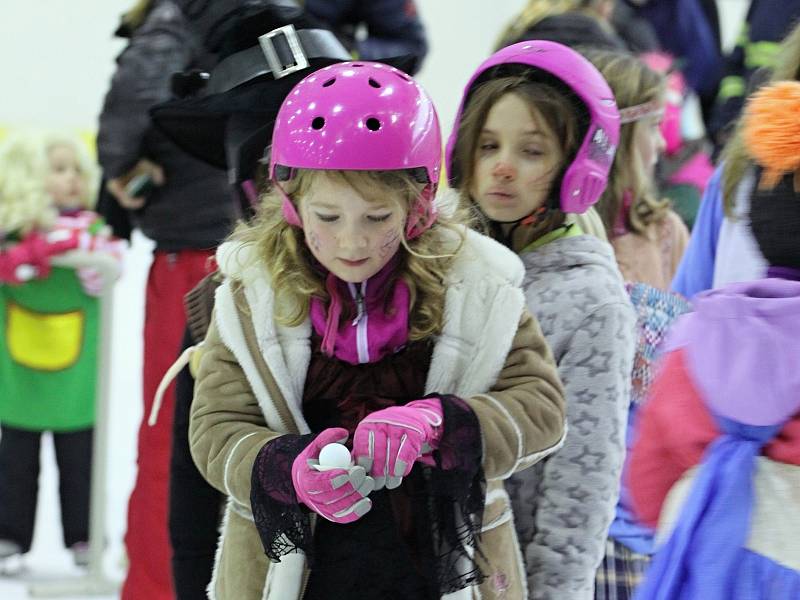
x=187 y=212
x=767 y=23
x=391 y=27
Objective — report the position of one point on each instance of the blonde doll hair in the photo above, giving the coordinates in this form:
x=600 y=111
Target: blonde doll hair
x=24 y=165
x=735 y=155
x=282 y=250
x=24 y=202
x=634 y=84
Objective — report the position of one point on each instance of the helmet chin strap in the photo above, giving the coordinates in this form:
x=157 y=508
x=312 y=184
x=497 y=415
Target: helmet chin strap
x=528 y=220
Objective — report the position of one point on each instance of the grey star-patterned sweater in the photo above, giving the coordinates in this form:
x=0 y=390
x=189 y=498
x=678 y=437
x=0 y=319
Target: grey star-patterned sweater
x=564 y=505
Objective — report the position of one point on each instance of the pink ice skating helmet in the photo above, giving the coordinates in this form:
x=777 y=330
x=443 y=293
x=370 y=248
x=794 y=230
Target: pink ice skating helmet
x=360 y=116
x=586 y=177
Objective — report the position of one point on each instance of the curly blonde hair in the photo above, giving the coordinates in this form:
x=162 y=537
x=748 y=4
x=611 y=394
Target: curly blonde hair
x=281 y=248
x=24 y=165
x=633 y=83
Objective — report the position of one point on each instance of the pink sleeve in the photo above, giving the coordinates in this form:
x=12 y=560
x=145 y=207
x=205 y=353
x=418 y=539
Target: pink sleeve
x=673 y=431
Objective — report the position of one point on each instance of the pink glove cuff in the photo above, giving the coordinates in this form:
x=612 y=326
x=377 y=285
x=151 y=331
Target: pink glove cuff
x=432 y=409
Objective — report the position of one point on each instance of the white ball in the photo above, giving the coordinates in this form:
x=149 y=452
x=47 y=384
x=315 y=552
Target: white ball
x=334 y=456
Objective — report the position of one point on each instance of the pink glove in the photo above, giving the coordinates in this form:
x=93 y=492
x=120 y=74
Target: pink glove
x=388 y=442
x=339 y=495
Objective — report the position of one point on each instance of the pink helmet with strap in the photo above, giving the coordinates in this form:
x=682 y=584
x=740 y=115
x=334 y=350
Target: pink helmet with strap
x=360 y=116
x=585 y=178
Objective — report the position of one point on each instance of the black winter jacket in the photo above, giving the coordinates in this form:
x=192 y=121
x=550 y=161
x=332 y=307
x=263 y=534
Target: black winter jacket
x=194 y=209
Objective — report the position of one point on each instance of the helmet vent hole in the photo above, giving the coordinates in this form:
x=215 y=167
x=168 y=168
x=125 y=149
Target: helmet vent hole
x=403 y=76
x=357 y=65
x=373 y=124
x=330 y=82
x=318 y=123
x=374 y=83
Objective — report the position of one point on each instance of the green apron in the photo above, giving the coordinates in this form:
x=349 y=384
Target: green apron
x=48 y=358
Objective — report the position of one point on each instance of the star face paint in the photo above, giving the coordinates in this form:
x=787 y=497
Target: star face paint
x=390 y=244
x=349 y=235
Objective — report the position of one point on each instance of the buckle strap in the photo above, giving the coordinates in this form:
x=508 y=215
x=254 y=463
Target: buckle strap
x=281 y=51
x=279 y=68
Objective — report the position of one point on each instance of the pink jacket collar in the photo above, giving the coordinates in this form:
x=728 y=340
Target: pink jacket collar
x=380 y=323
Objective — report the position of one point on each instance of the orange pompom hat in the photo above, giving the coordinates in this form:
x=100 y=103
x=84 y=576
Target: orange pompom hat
x=771 y=130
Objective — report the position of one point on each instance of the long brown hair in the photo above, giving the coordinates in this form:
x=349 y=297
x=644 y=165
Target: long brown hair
x=735 y=155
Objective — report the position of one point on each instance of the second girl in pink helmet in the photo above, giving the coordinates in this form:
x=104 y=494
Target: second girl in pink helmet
x=532 y=145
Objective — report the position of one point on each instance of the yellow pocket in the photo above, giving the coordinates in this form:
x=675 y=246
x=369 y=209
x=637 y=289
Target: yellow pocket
x=44 y=341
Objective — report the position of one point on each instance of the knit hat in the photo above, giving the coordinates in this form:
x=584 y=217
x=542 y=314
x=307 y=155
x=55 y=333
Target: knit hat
x=771 y=132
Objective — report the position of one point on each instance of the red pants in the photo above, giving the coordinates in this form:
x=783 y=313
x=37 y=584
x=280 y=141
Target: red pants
x=171 y=276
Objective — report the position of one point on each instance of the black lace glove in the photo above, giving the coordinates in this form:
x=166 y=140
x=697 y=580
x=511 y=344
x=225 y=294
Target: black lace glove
x=282 y=522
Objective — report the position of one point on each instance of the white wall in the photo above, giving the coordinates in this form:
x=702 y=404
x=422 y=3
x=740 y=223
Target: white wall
x=57 y=55
x=461 y=34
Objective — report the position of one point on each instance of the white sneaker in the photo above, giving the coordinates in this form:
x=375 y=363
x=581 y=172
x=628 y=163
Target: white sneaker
x=10 y=558
x=80 y=554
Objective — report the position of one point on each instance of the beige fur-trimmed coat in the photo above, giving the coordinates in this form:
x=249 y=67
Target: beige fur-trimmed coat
x=250 y=383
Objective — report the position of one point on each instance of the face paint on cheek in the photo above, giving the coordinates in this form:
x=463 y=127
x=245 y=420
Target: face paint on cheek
x=313 y=240
x=389 y=243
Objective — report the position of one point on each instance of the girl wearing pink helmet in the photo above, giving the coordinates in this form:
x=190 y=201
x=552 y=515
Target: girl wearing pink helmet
x=532 y=146
x=353 y=313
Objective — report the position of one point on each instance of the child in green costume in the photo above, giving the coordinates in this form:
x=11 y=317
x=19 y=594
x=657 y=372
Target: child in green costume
x=49 y=319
